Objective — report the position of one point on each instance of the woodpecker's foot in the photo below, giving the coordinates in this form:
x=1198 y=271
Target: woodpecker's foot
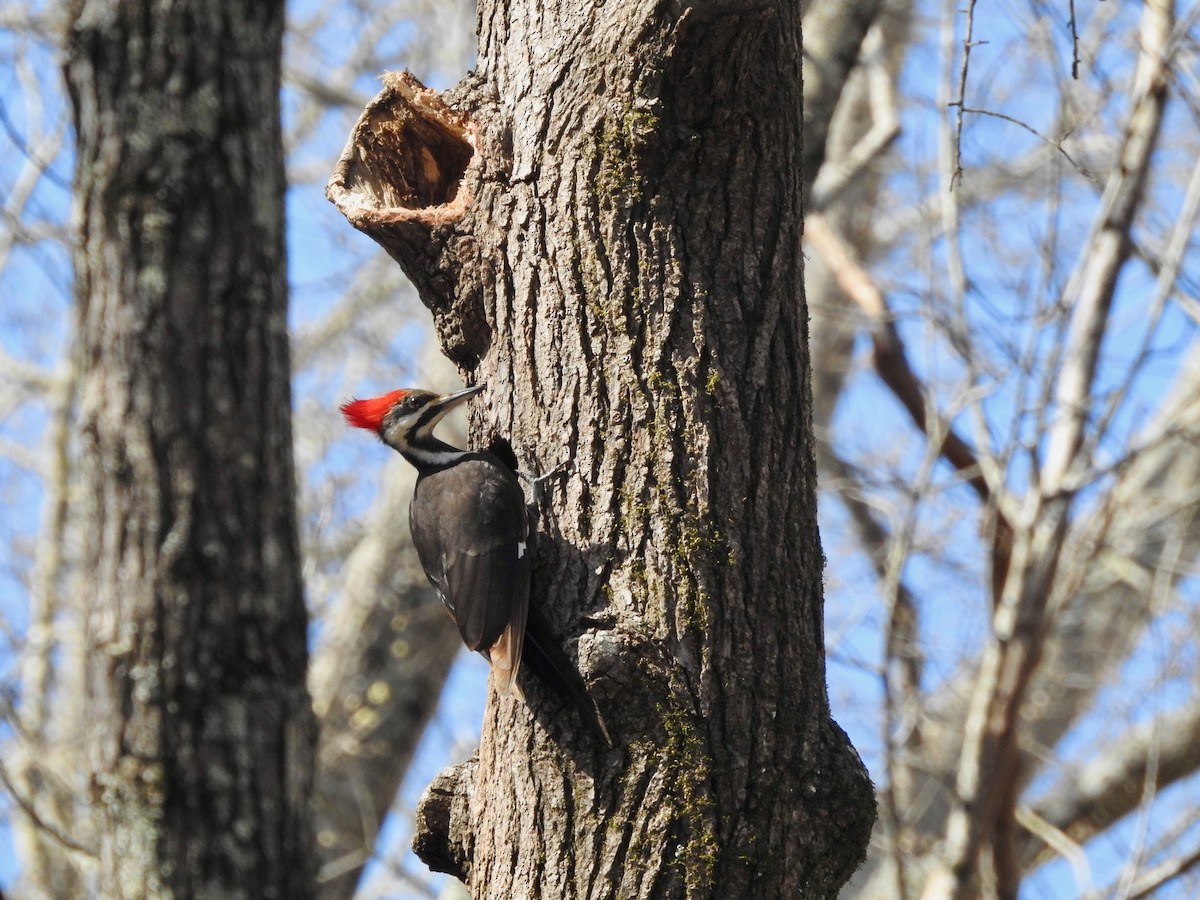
x=535 y=480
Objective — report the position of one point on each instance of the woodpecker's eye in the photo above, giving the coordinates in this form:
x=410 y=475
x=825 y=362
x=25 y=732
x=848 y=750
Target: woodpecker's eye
x=413 y=402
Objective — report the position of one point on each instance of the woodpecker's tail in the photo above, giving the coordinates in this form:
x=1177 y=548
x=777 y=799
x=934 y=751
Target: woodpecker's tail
x=545 y=656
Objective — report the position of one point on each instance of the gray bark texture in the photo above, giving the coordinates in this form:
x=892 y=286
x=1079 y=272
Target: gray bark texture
x=201 y=730
x=605 y=222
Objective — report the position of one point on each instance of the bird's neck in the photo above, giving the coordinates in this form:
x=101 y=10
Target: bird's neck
x=430 y=454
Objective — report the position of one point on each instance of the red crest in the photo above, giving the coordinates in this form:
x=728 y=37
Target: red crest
x=369 y=413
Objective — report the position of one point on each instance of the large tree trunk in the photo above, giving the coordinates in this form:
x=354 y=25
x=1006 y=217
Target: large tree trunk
x=606 y=224
x=201 y=728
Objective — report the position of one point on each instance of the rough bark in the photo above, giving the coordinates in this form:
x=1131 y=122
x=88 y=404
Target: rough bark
x=605 y=221
x=201 y=728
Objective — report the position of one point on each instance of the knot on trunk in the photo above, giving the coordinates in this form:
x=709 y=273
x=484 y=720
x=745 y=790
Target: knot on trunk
x=405 y=161
x=405 y=180
x=443 y=839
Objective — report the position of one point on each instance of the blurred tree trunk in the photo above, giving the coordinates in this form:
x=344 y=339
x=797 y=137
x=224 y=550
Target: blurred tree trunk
x=606 y=222
x=201 y=728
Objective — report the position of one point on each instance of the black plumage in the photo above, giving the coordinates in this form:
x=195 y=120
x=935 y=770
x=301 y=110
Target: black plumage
x=471 y=531
x=474 y=538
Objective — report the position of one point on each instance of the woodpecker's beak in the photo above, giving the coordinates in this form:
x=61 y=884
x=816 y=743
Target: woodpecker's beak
x=446 y=403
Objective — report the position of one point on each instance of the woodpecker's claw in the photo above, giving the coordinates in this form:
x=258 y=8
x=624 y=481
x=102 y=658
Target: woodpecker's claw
x=535 y=480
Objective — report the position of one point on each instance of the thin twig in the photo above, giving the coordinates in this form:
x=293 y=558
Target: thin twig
x=28 y=809
x=894 y=369
x=1074 y=44
x=30 y=153
x=1057 y=145
x=899 y=691
x=968 y=43
x=1160 y=875
x=988 y=780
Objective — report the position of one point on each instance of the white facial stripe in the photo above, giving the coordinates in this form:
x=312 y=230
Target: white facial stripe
x=417 y=431
x=435 y=457
x=521 y=550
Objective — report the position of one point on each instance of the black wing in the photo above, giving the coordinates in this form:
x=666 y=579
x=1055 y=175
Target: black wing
x=472 y=534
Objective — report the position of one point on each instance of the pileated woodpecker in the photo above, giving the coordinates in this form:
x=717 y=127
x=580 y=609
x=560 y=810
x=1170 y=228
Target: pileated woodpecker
x=473 y=537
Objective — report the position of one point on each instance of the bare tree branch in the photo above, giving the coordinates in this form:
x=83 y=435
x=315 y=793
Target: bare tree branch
x=988 y=778
x=1106 y=789
x=1161 y=875
x=45 y=827
x=891 y=363
x=836 y=173
x=834 y=32
x=964 y=62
